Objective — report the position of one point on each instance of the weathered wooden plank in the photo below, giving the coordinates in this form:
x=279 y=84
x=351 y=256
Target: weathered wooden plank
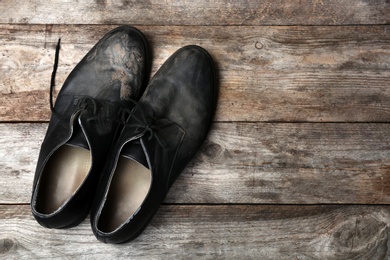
x=173 y=12
x=209 y=232
x=315 y=74
x=19 y=149
x=306 y=163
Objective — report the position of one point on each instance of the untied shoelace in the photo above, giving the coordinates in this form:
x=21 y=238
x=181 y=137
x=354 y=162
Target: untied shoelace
x=149 y=126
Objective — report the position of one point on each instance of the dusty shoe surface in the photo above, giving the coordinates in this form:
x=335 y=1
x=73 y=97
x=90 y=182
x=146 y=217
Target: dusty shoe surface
x=83 y=126
x=162 y=134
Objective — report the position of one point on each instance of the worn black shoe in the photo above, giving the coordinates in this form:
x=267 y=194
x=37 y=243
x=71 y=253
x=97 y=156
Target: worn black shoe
x=161 y=135
x=83 y=125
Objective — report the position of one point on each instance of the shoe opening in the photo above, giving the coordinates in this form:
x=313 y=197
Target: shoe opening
x=128 y=189
x=63 y=174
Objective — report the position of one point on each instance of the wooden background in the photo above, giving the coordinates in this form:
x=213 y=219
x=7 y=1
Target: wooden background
x=297 y=164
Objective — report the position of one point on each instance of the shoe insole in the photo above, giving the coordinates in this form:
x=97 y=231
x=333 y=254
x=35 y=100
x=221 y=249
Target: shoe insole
x=63 y=174
x=128 y=189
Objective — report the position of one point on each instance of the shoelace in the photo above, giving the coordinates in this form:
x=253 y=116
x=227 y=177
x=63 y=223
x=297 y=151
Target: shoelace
x=124 y=113
x=83 y=104
x=53 y=74
x=150 y=126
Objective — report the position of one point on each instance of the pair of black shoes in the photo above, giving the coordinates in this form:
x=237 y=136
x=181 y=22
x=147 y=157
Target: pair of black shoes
x=113 y=149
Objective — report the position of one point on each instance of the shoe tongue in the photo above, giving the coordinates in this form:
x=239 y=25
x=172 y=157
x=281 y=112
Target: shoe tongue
x=78 y=138
x=134 y=150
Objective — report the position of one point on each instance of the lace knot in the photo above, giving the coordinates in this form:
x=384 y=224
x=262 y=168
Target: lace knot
x=149 y=124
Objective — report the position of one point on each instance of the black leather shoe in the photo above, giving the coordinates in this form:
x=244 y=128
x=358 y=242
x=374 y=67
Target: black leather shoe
x=161 y=135
x=83 y=126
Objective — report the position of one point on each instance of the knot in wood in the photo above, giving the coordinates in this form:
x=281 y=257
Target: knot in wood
x=259 y=45
x=6 y=244
x=212 y=150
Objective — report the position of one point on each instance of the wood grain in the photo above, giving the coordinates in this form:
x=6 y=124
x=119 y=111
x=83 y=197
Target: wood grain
x=174 y=12
x=210 y=232
x=288 y=163
x=293 y=73
x=301 y=127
